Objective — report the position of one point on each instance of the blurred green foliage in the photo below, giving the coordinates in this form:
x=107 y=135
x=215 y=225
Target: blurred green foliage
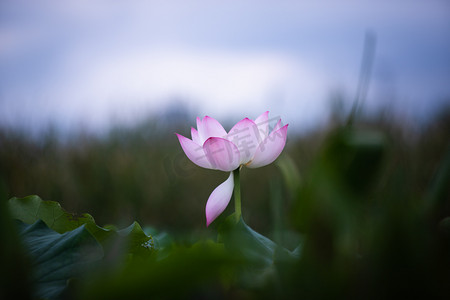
x=347 y=212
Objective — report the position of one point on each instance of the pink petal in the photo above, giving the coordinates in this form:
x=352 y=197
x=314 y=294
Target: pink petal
x=199 y=123
x=277 y=126
x=222 y=154
x=194 y=152
x=270 y=148
x=246 y=137
x=263 y=125
x=219 y=199
x=195 y=136
x=209 y=127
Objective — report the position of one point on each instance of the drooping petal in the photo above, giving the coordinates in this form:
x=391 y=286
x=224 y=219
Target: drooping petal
x=270 y=148
x=221 y=154
x=245 y=136
x=195 y=136
x=209 y=127
x=219 y=199
x=263 y=125
x=194 y=152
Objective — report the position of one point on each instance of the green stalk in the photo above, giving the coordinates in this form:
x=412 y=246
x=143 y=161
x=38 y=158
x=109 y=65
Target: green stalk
x=237 y=194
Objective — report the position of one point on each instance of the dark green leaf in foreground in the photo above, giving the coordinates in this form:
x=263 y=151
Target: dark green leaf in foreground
x=252 y=245
x=15 y=282
x=138 y=242
x=258 y=251
x=57 y=257
x=32 y=208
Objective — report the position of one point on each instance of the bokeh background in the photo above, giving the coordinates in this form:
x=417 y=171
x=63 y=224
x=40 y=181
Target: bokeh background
x=91 y=94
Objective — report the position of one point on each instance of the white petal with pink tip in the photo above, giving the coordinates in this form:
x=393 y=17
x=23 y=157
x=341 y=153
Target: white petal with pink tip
x=194 y=152
x=270 y=148
x=263 y=125
x=195 y=137
x=221 y=154
x=209 y=127
x=245 y=136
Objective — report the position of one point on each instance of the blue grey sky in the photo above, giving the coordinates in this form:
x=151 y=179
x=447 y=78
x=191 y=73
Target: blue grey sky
x=91 y=63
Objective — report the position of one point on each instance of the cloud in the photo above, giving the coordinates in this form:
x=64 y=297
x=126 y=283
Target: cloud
x=84 y=61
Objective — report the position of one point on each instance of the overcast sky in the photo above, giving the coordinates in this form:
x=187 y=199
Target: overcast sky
x=86 y=63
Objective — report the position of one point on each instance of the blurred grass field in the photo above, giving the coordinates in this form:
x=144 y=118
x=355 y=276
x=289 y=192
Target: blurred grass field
x=140 y=173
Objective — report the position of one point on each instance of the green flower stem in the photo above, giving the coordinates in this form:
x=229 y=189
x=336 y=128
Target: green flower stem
x=237 y=194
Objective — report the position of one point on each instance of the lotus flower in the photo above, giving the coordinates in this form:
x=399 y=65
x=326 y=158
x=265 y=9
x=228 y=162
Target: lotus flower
x=248 y=143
